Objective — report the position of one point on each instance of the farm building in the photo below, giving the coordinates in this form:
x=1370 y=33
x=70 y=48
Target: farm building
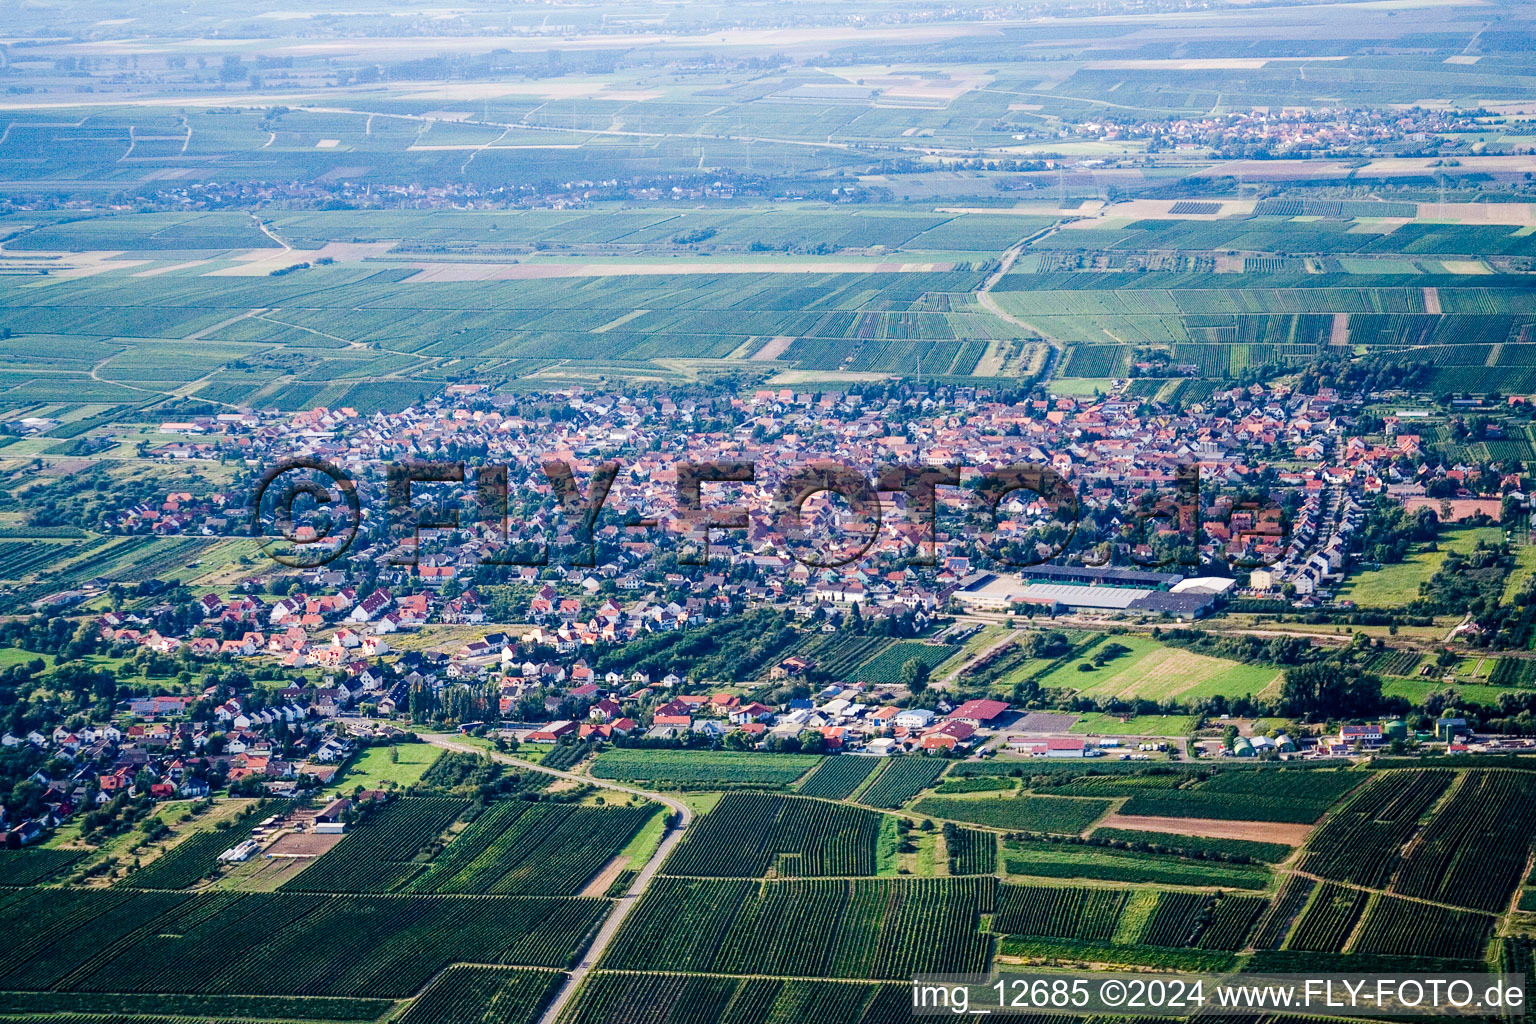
x=332 y=818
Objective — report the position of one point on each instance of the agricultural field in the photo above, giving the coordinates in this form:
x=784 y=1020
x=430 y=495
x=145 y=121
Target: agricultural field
x=484 y=995
x=613 y=998
x=702 y=769
x=1053 y=860
x=117 y=940
x=838 y=777
x=35 y=865
x=1148 y=927
x=1264 y=853
x=525 y=849
x=399 y=765
x=748 y=834
x=971 y=851
x=1153 y=671
x=885 y=667
x=1155 y=726
x=1393 y=586
x=1362 y=841
x=379 y=854
x=886 y=928
x=1282 y=796
x=901 y=779
x=1065 y=815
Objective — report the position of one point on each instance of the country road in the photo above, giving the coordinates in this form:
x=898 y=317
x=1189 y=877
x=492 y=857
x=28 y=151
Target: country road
x=610 y=926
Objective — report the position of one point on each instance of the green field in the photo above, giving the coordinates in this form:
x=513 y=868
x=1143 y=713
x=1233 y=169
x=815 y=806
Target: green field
x=1170 y=726
x=1150 y=670
x=702 y=768
x=401 y=764
x=1066 y=861
x=1024 y=813
x=1393 y=586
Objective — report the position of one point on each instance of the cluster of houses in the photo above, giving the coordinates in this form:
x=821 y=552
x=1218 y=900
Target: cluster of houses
x=1112 y=451
x=847 y=717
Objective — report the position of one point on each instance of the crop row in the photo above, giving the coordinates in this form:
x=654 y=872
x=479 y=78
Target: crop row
x=748 y=834
x=847 y=928
x=1361 y=842
x=902 y=779
x=838 y=777
x=377 y=854
x=656 y=998
x=702 y=767
x=520 y=849
x=225 y=943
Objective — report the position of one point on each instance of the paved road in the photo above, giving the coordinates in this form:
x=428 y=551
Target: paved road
x=610 y=926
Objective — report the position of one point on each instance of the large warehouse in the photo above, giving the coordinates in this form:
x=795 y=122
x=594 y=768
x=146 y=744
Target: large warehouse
x=1084 y=588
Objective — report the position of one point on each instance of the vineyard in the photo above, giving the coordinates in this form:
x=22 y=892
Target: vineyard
x=162 y=1008
x=838 y=777
x=516 y=848
x=702 y=768
x=226 y=943
x=197 y=857
x=1395 y=663
x=1473 y=851
x=903 y=778
x=1328 y=920
x=1405 y=928
x=1231 y=922
x=1051 y=951
x=657 y=998
x=1515 y=672
x=971 y=851
x=1361 y=842
x=1065 y=815
x=1062 y=912
x=484 y=995
x=885 y=667
x=837 y=654
x=34 y=865
x=1042 y=858
x=749 y=834
x=1275 y=923
x=840 y=928
x=1197 y=846
x=379 y=853
x=1295 y=796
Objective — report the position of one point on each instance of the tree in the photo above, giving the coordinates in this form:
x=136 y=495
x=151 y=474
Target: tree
x=914 y=674
x=1329 y=690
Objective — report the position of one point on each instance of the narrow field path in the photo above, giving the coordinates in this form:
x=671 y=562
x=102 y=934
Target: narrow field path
x=623 y=905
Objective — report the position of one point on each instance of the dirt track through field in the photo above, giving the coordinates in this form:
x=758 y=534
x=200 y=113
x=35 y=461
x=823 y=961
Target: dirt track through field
x=1210 y=828
x=623 y=904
